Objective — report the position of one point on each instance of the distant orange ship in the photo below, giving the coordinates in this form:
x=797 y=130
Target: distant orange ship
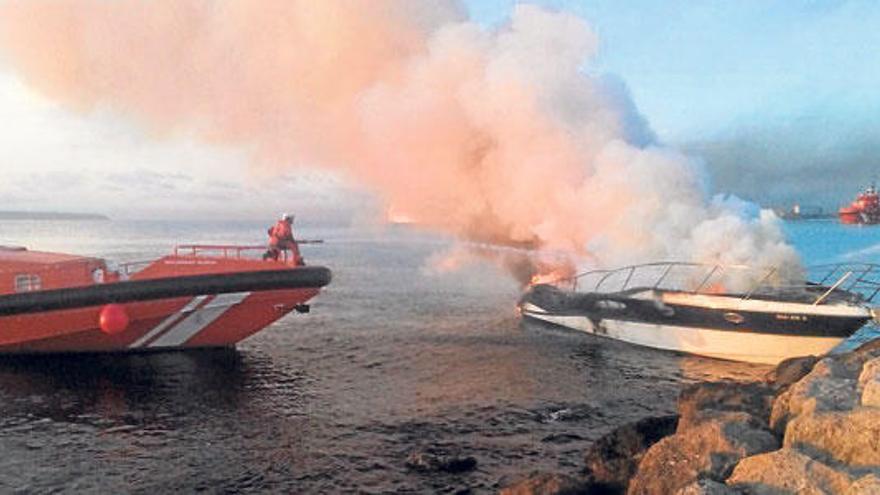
x=864 y=210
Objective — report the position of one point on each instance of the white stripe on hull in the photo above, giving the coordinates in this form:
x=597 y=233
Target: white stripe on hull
x=762 y=306
x=200 y=319
x=167 y=322
x=723 y=344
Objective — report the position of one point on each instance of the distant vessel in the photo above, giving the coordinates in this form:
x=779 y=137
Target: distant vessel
x=802 y=212
x=689 y=307
x=198 y=296
x=864 y=210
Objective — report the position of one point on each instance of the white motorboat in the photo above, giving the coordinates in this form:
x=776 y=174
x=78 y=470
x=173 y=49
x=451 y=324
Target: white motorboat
x=736 y=313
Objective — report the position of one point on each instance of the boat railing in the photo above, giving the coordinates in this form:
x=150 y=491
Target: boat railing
x=672 y=275
x=233 y=251
x=226 y=251
x=230 y=251
x=858 y=278
x=216 y=250
x=816 y=285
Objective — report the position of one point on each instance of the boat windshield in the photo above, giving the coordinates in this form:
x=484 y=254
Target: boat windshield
x=853 y=282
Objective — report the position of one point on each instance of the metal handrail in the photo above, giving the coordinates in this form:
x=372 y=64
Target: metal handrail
x=630 y=269
x=832 y=289
x=196 y=249
x=226 y=249
x=861 y=284
x=760 y=283
x=706 y=279
x=663 y=277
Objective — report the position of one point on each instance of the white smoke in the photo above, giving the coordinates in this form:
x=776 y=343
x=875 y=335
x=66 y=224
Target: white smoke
x=501 y=136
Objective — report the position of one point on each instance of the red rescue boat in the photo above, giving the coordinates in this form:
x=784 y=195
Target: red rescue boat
x=198 y=296
x=864 y=210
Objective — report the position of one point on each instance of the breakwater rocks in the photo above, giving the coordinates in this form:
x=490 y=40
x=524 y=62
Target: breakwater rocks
x=813 y=426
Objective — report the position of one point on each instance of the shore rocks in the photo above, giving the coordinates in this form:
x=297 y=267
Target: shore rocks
x=750 y=402
x=812 y=427
x=610 y=462
x=790 y=371
x=706 y=487
x=720 y=424
x=869 y=383
x=710 y=449
x=851 y=438
x=614 y=458
x=787 y=471
x=825 y=415
x=830 y=386
x=553 y=484
x=866 y=485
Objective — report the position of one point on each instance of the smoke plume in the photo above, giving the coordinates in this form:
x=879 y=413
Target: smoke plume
x=502 y=136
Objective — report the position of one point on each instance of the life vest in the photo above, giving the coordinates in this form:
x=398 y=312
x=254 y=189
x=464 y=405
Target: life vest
x=281 y=231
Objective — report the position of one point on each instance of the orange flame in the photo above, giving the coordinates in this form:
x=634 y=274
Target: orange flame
x=551 y=275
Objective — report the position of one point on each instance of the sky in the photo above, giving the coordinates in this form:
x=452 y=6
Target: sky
x=779 y=100
x=698 y=67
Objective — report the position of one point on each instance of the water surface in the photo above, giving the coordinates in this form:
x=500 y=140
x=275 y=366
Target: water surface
x=393 y=358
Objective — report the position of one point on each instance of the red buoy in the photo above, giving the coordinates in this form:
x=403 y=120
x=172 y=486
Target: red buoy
x=113 y=319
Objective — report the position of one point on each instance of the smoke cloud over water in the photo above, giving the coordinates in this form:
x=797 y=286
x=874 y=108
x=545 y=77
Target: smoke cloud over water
x=501 y=137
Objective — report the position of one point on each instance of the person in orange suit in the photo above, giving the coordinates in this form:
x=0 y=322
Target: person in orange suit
x=281 y=239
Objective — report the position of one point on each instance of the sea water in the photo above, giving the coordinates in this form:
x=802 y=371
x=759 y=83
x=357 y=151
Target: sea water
x=394 y=358
x=822 y=242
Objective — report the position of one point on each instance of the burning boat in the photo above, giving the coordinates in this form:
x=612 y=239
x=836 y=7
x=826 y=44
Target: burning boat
x=198 y=296
x=864 y=210
x=688 y=307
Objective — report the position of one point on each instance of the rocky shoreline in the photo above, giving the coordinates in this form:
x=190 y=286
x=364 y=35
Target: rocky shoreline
x=812 y=426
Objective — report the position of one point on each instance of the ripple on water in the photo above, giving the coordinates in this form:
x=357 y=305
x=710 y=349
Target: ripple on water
x=392 y=360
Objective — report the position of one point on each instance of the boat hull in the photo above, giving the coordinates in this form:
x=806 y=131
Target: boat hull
x=191 y=311
x=719 y=327
x=858 y=218
x=751 y=347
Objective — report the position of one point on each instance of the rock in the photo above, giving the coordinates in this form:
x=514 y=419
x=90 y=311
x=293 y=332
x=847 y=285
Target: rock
x=703 y=400
x=552 y=484
x=835 y=367
x=871 y=393
x=851 y=438
x=827 y=410
x=863 y=353
x=723 y=416
x=870 y=372
x=790 y=371
x=866 y=485
x=709 y=450
x=428 y=461
x=871 y=347
x=786 y=471
x=869 y=383
x=812 y=395
x=613 y=459
x=780 y=413
x=830 y=386
x=706 y=487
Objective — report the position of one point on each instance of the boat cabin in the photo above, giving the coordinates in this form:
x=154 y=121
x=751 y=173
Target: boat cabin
x=22 y=270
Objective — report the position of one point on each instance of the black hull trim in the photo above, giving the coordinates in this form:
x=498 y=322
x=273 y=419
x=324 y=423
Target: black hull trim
x=598 y=307
x=307 y=277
